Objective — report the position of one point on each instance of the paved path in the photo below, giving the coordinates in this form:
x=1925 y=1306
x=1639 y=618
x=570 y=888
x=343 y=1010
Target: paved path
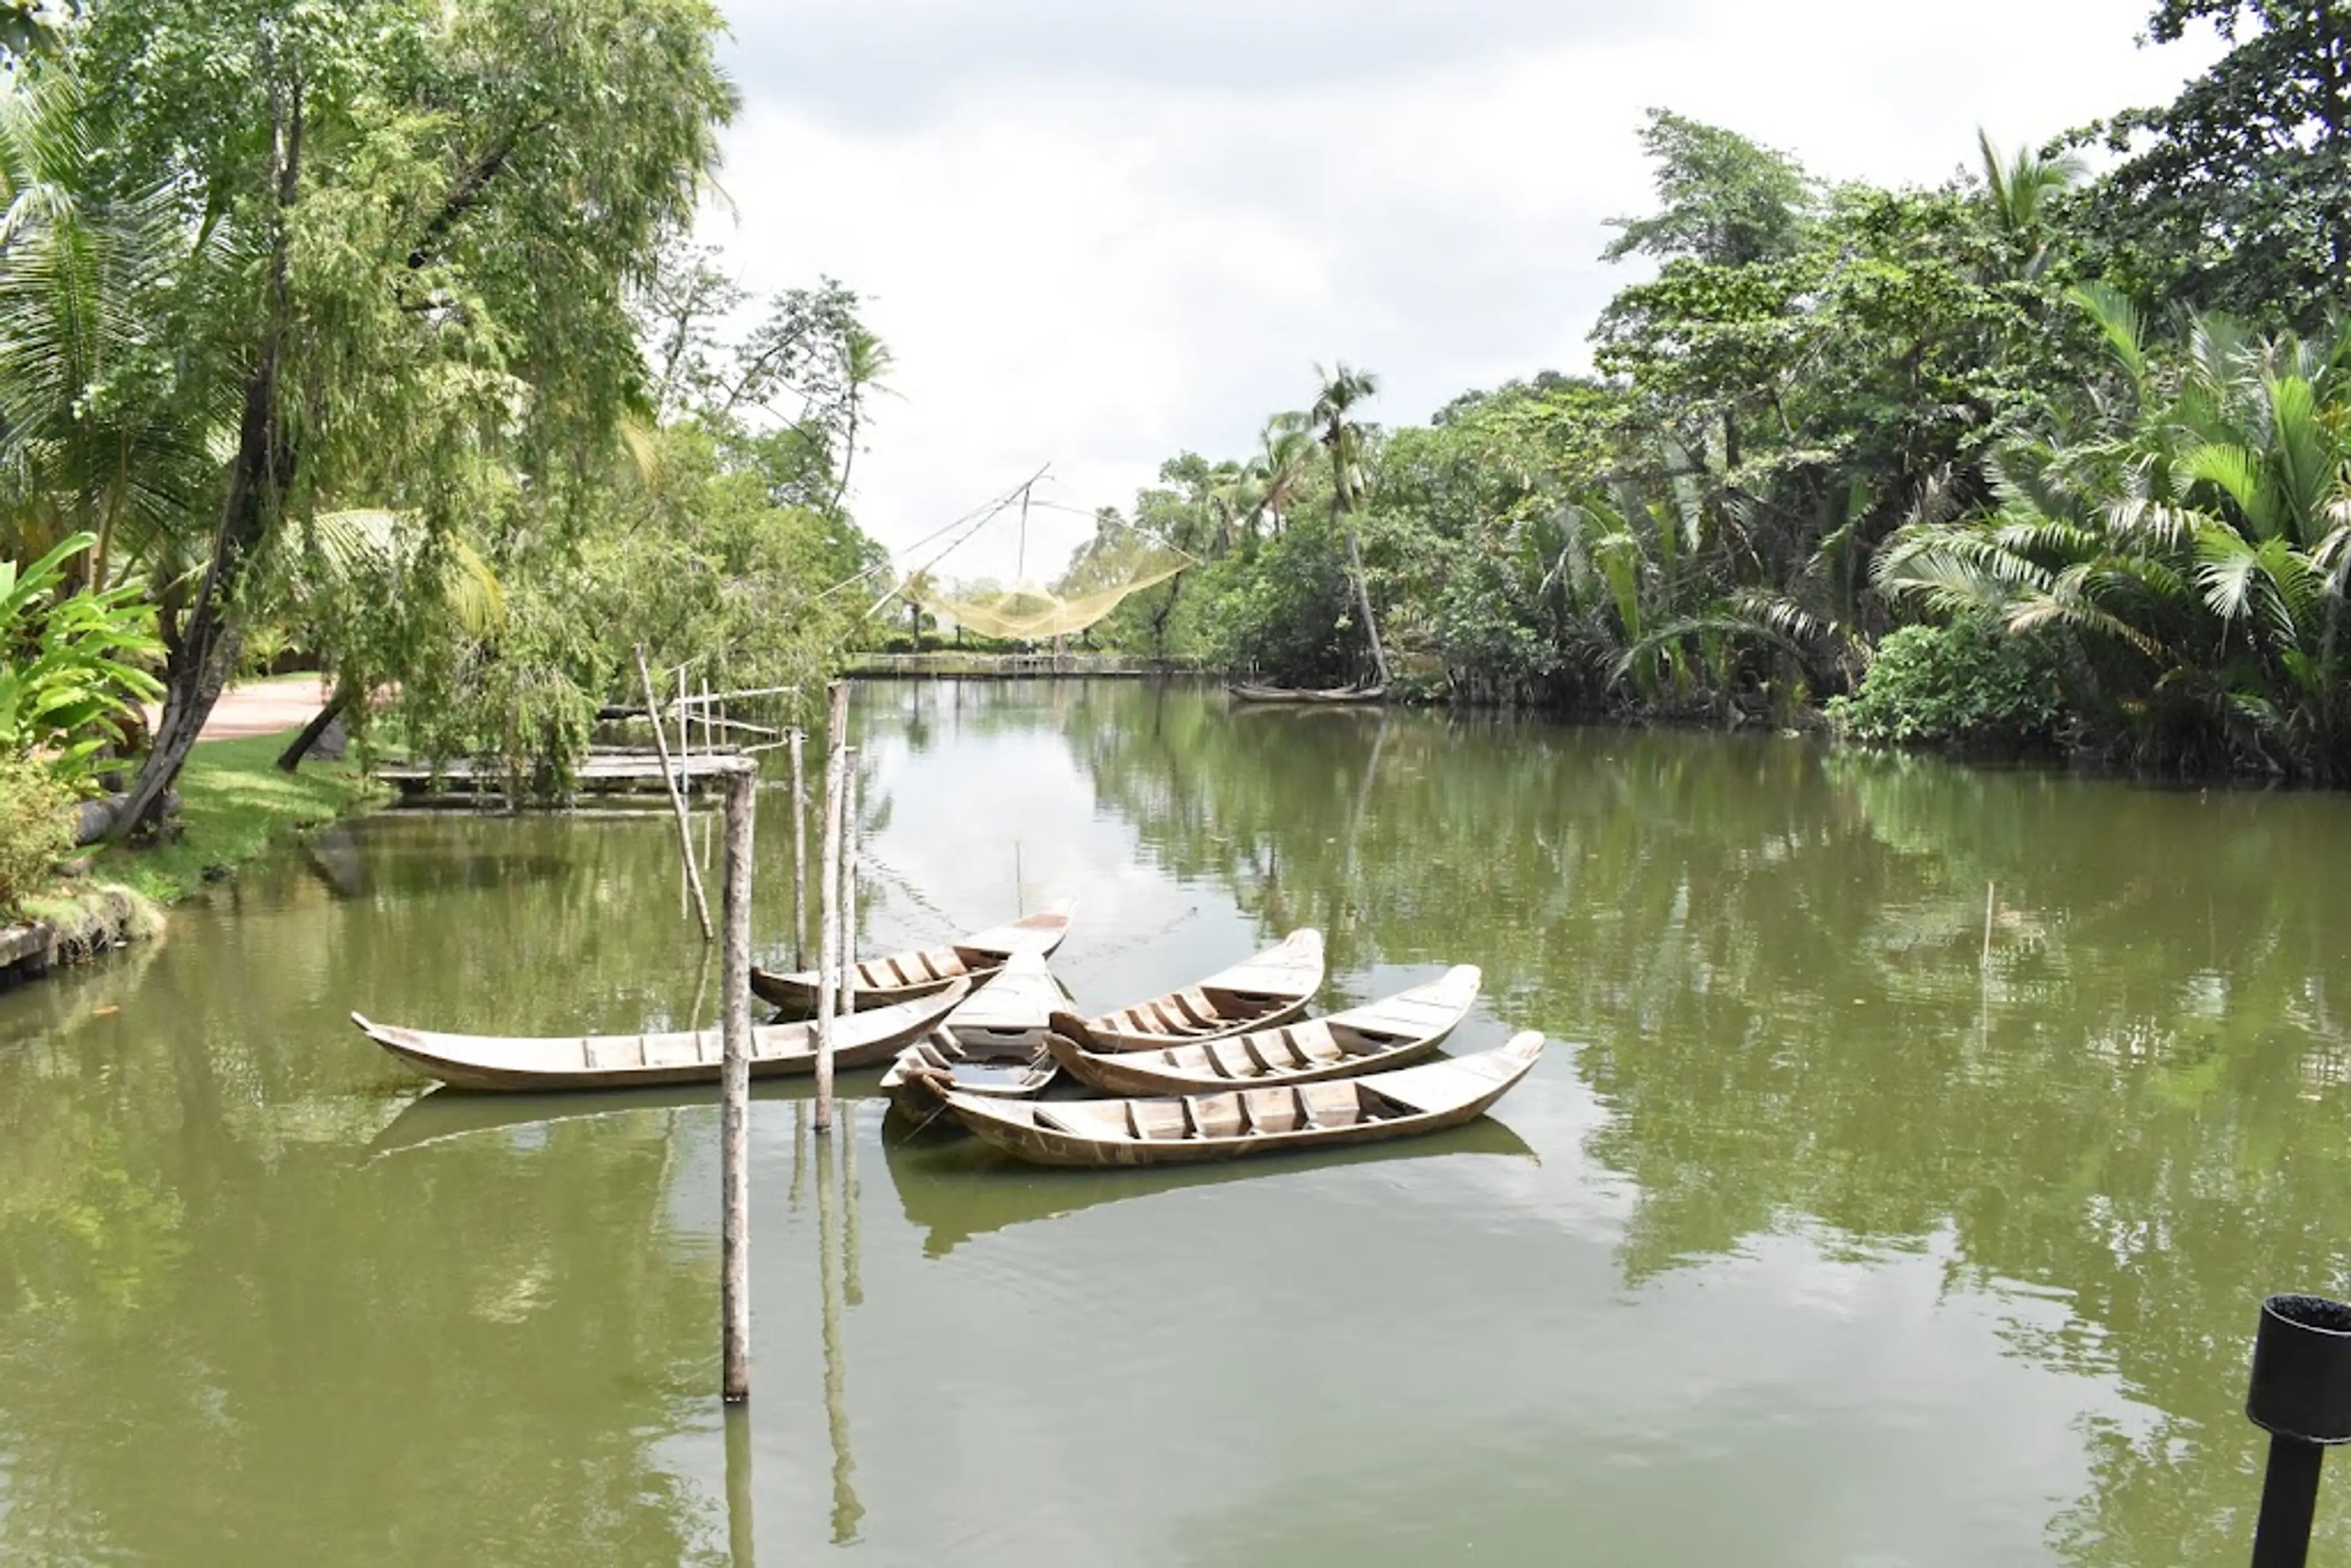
x=260 y=707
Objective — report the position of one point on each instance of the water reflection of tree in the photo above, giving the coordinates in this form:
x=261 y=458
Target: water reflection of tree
x=224 y=1335
x=1777 y=960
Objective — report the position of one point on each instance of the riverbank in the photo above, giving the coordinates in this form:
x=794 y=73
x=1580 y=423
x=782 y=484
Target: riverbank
x=234 y=805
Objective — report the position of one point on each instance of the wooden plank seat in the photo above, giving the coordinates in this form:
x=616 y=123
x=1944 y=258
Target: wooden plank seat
x=1270 y=1110
x=1215 y=1116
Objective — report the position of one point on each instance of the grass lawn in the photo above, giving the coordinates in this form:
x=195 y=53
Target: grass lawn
x=233 y=804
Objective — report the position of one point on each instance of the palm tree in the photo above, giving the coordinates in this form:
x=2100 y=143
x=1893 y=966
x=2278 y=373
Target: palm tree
x=1344 y=438
x=2195 y=545
x=1279 y=465
x=865 y=359
x=2017 y=189
x=106 y=411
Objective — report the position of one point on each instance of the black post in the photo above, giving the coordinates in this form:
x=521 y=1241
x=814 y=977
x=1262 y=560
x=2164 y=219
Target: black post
x=2301 y=1394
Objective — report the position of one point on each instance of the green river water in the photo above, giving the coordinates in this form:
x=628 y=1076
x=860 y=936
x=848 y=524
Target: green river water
x=1819 y=1235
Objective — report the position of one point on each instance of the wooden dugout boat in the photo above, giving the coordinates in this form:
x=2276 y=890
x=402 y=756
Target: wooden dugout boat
x=639 y=1061
x=993 y=1045
x=1010 y=1060
x=1268 y=988
x=1391 y=1032
x=921 y=971
x=1245 y=692
x=1235 y=1123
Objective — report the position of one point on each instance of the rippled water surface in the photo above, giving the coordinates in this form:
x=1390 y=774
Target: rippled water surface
x=1842 y=1224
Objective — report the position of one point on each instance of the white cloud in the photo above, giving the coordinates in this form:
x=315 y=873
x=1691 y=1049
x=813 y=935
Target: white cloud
x=1098 y=235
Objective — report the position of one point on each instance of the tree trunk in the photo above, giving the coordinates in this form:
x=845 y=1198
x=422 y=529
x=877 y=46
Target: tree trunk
x=206 y=655
x=1364 y=593
x=337 y=706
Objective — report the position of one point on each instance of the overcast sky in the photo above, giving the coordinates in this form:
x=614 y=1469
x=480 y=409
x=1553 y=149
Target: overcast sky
x=1096 y=232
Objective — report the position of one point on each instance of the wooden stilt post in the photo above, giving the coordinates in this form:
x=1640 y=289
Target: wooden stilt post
x=828 y=964
x=799 y=851
x=849 y=791
x=734 y=1095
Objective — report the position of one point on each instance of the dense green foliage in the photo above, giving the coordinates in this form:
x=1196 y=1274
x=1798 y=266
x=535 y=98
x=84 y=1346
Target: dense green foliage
x=67 y=667
x=34 y=833
x=367 y=332
x=1961 y=683
x=1833 y=410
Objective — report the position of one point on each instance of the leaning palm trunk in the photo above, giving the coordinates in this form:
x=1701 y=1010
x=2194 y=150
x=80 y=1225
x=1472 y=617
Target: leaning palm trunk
x=1362 y=592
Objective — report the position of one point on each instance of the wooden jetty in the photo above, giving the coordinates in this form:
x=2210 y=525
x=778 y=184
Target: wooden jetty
x=601 y=772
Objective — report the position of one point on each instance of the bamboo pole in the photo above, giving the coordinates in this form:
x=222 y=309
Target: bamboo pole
x=828 y=930
x=849 y=791
x=676 y=800
x=799 y=852
x=734 y=1096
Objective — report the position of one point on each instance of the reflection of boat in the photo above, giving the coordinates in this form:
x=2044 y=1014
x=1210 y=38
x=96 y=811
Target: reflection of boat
x=958 y=1188
x=634 y=1060
x=442 y=1116
x=1269 y=987
x=1244 y=692
x=1009 y=1061
x=919 y=972
x=1237 y=1124
x=1391 y=1032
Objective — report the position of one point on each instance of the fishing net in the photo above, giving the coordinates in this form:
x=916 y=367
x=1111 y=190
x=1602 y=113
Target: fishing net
x=1106 y=571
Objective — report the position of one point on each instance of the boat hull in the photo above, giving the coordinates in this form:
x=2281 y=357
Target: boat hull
x=919 y=972
x=1394 y=1032
x=511 y=1065
x=1430 y=1098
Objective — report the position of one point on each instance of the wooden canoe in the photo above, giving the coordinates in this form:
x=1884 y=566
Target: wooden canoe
x=639 y=1061
x=919 y=972
x=993 y=1045
x=1244 y=692
x=1236 y=1123
x=1391 y=1032
x=1271 y=988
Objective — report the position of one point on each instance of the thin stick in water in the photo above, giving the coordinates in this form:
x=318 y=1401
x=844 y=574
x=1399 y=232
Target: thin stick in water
x=676 y=800
x=849 y=786
x=799 y=852
x=828 y=968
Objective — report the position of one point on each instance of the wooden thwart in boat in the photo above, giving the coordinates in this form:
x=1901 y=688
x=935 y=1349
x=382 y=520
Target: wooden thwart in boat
x=919 y=972
x=1387 y=1033
x=1236 y=1122
x=637 y=1060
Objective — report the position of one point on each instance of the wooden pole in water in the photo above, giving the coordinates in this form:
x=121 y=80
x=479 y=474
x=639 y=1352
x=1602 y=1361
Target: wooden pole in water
x=848 y=880
x=828 y=964
x=676 y=798
x=799 y=852
x=735 y=1095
